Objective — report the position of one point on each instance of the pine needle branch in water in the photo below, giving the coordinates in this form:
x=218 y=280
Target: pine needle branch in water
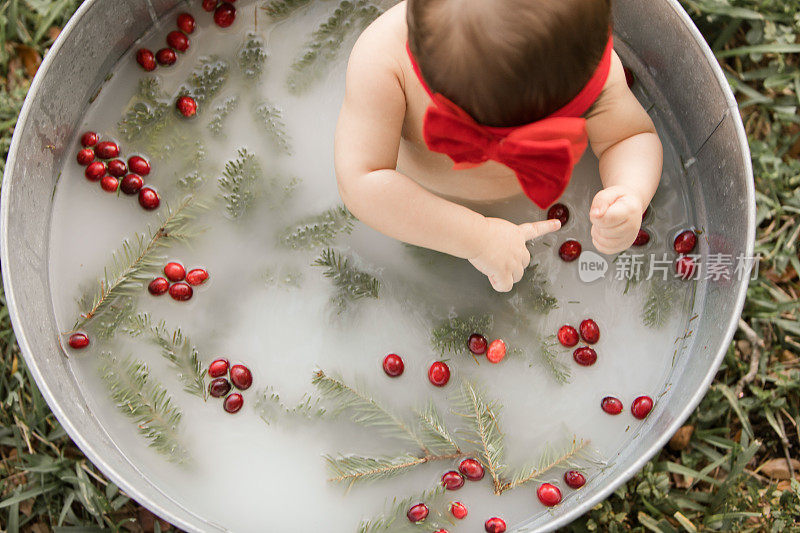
x=394 y=518
x=283 y=9
x=353 y=469
x=548 y=461
x=658 y=304
x=143 y=399
x=149 y=113
x=560 y=371
x=434 y=432
x=116 y=316
x=221 y=113
x=351 y=284
x=238 y=181
x=252 y=56
x=206 y=81
x=318 y=230
x=532 y=295
x=270 y=118
x=270 y=408
x=451 y=336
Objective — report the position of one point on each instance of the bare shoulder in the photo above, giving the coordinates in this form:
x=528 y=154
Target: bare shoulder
x=382 y=45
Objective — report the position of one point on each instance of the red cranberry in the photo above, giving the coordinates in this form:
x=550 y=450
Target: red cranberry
x=117 y=168
x=471 y=469
x=452 y=480
x=590 y=331
x=139 y=165
x=439 y=374
x=233 y=403
x=574 y=479
x=685 y=242
x=585 y=356
x=89 y=139
x=441 y=531
x=209 y=5
x=611 y=405
x=85 y=156
x=549 y=494
x=219 y=388
x=567 y=336
x=646 y=212
x=196 y=276
x=78 y=341
x=417 y=513
x=174 y=271
x=224 y=15
x=166 y=57
x=109 y=183
x=131 y=184
x=641 y=407
x=393 y=365
x=642 y=238
x=186 y=106
x=497 y=351
x=495 y=525
x=685 y=267
x=95 y=171
x=146 y=59
x=186 y=23
x=107 y=150
x=570 y=250
x=630 y=79
x=458 y=510
x=148 y=198
x=559 y=212
x=158 y=286
x=180 y=292
x=178 y=40
x=241 y=377
x=218 y=368
x=477 y=344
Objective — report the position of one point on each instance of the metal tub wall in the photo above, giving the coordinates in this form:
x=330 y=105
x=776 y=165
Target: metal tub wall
x=704 y=123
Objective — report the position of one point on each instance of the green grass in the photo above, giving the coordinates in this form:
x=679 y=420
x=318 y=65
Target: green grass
x=724 y=479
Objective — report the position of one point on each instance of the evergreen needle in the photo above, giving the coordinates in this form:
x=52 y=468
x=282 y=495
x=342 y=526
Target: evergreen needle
x=658 y=304
x=434 y=432
x=282 y=9
x=351 y=284
x=270 y=119
x=252 y=57
x=547 y=462
x=221 y=112
x=238 y=183
x=318 y=230
x=451 y=336
x=394 y=517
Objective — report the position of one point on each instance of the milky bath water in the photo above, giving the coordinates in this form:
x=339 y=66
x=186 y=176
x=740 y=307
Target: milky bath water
x=267 y=305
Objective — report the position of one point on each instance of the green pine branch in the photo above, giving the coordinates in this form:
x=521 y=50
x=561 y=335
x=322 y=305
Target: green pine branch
x=353 y=469
x=116 y=316
x=549 y=356
x=252 y=56
x=238 y=183
x=221 y=113
x=270 y=408
x=658 y=304
x=451 y=336
x=532 y=294
x=548 y=461
x=394 y=516
x=270 y=119
x=148 y=115
x=206 y=81
x=319 y=230
x=434 y=432
x=351 y=284
x=283 y=9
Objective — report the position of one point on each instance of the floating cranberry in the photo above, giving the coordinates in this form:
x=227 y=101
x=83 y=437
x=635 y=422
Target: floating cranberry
x=241 y=377
x=85 y=156
x=186 y=106
x=218 y=368
x=158 y=286
x=233 y=403
x=196 y=276
x=458 y=510
x=178 y=40
x=89 y=139
x=148 y=198
x=186 y=23
x=139 y=165
x=630 y=79
x=477 y=344
x=393 y=365
x=559 y=212
x=95 y=171
x=585 y=356
x=417 y=513
x=641 y=407
x=439 y=374
x=570 y=250
x=174 y=271
x=567 y=336
x=224 y=15
x=497 y=351
x=685 y=242
x=131 y=184
x=219 y=388
x=472 y=469
x=166 y=57
x=109 y=184
x=495 y=525
x=549 y=494
x=117 y=168
x=209 y=5
x=646 y=212
x=441 y=531
x=574 y=479
x=107 y=150
x=78 y=341
x=642 y=238
x=181 y=292
x=685 y=267
x=611 y=405
x=452 y=480
x=146 y=59
x=590 y=331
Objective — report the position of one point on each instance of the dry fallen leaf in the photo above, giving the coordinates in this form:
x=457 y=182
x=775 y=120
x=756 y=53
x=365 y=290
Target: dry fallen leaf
x=680 y=440
x=30 y=59
x=778 y=468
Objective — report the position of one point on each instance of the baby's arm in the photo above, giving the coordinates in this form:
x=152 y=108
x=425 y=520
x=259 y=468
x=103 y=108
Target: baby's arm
x=366 y=148
x=625 y=140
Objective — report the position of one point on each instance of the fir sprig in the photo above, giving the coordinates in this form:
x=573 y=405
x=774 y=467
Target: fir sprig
x=318 y=230
x=238 y=183
x=252 y=56
x=658 y=304
x=451 y=335
x=434 y=432
x=282 y=9
x=221 y=112
x=351 y=284
x=270 y=119
x=270 y=407
x=548 y=461
x=140 y=397
x=353 y=468
x=394 y=518
x=115 y=316
x=206 y=81
x=532 y=295
x=549 y=356
x=149 y=113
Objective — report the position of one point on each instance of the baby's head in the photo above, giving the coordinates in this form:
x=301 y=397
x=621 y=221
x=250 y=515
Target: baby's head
x=508 y=62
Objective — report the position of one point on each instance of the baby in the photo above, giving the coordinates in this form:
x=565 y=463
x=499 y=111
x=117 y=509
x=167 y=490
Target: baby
x=451 y=103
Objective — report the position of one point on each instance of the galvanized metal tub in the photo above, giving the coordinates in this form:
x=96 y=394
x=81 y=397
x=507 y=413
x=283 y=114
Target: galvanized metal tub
x=657 y=38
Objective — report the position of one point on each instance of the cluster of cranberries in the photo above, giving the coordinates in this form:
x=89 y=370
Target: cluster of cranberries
x=102 y=162
x=224 y=12
x=177 y=41
x=178 y=282
x=590 y=333
x=438 y=373
x=495 y=351
x=240 y=377
x=550 y=495
x=640 y=407
x=684 y=244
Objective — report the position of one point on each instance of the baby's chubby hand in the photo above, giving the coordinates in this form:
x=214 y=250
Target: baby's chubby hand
x=502 y=254
x=616 y=216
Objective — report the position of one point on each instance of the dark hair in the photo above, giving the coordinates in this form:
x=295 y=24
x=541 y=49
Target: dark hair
x=508 y=62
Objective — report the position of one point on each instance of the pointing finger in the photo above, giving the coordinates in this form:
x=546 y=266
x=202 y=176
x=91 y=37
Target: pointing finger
x=532 y=230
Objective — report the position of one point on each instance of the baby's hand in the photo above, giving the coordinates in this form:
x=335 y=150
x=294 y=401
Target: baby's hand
x=616 y=216
x=503 y=256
